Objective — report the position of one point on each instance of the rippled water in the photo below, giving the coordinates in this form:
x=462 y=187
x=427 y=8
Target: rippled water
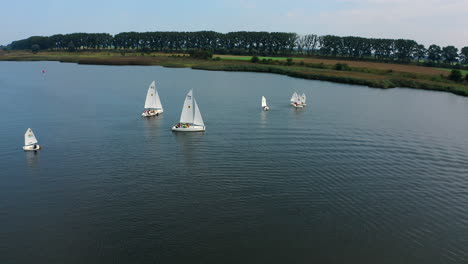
x=360 y=175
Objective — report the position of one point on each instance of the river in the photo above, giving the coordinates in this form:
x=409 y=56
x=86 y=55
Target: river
x=360 y=175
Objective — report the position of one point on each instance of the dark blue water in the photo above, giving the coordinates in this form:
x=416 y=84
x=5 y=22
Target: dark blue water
x=360 y=175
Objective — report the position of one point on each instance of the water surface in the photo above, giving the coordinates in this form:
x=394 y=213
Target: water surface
x=360 y=175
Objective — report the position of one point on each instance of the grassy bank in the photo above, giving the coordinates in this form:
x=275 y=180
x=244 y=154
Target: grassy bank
x=379 y=75
x=464 y=72
x=349 y=78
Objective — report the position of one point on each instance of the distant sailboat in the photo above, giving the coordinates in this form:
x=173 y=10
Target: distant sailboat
x=153 y=104
x=296 y=100
x=264 y=104
x=30 y=141
x=190 y=118
x=303 y=99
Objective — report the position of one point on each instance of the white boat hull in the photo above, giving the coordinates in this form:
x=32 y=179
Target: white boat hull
x=31 y=147
x=152 y=113
x=266 y=108
x=297 y=105
x=193 y=128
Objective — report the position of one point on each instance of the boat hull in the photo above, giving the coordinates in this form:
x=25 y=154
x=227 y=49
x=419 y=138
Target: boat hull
x=31 y=148
x=153 y=113
x=297 y=105
x=266 y=108
x=189 y=129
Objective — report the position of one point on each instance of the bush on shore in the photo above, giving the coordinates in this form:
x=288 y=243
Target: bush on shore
x=35 y=48
x=455 y=75
x=342 y=67
x=201 y=54
x=254 y=59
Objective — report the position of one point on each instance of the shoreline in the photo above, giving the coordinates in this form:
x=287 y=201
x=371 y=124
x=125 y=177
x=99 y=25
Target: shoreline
x=371 y=77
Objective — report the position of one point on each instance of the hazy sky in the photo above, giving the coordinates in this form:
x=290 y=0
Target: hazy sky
x=442 y=22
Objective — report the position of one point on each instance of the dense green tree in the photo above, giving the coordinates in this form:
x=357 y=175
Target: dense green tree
x=356 y=47
x=450 y=54
x=419 y=52
x=35 y=48
x=404 y=49
x=248 y=43
x=464 y=55
x=331 y=45
x=58 y=41
x=383 y=48
x=43 y=43
x=434 y=53
x=71 y=46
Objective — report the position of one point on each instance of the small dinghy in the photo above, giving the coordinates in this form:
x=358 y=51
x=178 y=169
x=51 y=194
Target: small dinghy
x=153 y=106
x=30 y=141
x=264 y=104
x=190 y=118
x=296 y=100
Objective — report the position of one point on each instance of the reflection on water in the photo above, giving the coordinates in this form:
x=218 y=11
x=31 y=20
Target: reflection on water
x=297 y=112
x=32 y=158
x=263 y=119
x=153 y=126
x=189 y=143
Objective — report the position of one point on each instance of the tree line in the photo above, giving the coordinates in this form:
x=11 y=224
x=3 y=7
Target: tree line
x=251 y=43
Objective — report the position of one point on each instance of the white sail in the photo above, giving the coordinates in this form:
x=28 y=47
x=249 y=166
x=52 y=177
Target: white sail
x=303 y=98
x=151 y=96
x=197 y=118
x=157 y=101
x=264 y=101
x=299 y=99
x=294 y=97
x=29 y=137
x=187 y=111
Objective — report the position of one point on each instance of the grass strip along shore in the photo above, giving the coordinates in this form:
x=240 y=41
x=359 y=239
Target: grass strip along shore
x=372 y=74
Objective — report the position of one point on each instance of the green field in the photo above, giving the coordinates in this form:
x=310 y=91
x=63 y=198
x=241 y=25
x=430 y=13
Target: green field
x=464 y=72
x=245 y=58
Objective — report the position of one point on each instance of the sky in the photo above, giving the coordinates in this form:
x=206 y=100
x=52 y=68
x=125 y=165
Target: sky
x=441 y=22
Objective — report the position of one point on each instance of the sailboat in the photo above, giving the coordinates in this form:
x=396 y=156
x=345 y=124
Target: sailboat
x=190 y=118
x=303 y=99
x=153 y=104
x=264 y=104
x=296 y=100
x=30 y=141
